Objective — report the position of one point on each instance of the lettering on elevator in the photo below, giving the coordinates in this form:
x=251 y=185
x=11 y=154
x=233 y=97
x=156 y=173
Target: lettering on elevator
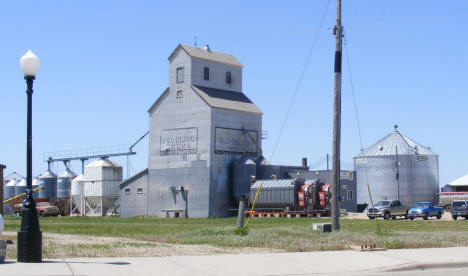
x=179 y=141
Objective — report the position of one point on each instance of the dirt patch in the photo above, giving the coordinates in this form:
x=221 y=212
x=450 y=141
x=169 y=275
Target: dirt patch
x=66 y=245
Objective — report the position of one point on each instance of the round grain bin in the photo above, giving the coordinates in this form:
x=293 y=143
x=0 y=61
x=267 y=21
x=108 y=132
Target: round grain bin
x=77 y=185
x=20 y=187
x=35 y=184
x=12 y=176
x=396 y=167
x=48 y=179
x=77 y=192
x=64 y=183
x=243 y=170
x=9 y=189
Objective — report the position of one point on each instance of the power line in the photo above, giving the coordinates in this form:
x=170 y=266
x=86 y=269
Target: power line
x=300 y=80
x=360 y=135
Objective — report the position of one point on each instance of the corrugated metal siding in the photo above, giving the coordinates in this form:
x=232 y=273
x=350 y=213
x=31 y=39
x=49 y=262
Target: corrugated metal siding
x=102 y=180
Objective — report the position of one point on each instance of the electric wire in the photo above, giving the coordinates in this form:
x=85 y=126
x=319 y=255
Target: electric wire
x=359 y=131
x=314 y=42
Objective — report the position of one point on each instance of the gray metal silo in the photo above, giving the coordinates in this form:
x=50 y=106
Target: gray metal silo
x=20 y=187
x=9 y=189
x=243 y=170
x=64 y=183
x=12 y=176
x=48 y=179
x=397 y=167
x=35 y=184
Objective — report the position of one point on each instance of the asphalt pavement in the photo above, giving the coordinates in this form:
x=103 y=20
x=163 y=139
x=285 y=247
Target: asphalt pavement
x=350 y=262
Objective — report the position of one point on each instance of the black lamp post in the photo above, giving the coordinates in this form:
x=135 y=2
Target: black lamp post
x=30 y=236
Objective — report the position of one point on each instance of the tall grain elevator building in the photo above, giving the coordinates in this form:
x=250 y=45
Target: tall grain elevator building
x=199 y=125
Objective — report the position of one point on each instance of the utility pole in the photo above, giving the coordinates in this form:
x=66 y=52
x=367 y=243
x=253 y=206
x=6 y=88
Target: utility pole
x=335 y=214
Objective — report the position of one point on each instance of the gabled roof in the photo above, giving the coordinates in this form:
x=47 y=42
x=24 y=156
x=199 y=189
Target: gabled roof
x=158 y=100
x=214 y=56
x=225 y=99
x=462 y=181
x=393 y=142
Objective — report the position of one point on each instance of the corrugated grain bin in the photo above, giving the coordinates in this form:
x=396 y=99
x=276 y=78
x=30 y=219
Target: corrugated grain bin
x=243 y=170
x=48 y=179
x=77 y=185
x=64 y=183
x=9 y=189
x=102 y=178
x=35 y=184
x=12 y=176
x=397 y=165
x=20 y=187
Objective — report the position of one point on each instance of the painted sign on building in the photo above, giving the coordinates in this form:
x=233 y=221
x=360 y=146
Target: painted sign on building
x=235 y=141
x=179 y=141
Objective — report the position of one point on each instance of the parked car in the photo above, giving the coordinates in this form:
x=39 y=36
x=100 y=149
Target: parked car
x=459 y=208
x=45 y=209
x=387 y=209
x=425 y=210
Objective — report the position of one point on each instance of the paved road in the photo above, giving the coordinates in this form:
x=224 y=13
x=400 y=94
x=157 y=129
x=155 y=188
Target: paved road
x=390 y=262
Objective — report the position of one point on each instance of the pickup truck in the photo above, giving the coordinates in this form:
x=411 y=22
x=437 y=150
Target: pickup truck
x=387 y=209
x=459 y=208
x=425 y=210
x=45 y=209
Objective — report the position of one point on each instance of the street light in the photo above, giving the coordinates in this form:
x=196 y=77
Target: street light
x=30 y=236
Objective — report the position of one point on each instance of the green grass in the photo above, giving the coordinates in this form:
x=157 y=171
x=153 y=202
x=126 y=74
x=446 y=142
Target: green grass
x=275 y=233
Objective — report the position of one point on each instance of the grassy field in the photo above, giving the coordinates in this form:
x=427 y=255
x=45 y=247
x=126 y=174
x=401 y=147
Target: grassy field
x=281 y=234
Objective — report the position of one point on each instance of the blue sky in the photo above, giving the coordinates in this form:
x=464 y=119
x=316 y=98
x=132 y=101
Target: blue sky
x=103 y=63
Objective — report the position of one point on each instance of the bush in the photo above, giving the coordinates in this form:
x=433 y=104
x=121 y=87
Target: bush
x=241 y=231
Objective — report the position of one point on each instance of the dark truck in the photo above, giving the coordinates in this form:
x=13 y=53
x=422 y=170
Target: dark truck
x=459 y=208
x=387 y=209
x=425 y=210
x=447 y=198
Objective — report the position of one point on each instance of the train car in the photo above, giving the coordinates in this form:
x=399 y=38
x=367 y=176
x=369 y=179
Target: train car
x=290 y=196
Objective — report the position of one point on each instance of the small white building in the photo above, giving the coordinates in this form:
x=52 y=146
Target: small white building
x=101 y=186
x=458 y=185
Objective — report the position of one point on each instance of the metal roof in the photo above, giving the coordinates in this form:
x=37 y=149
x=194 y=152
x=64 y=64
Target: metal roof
x=393 y=142
x=79 y=178
x=208 y=55
x=133 y=178
x=102 y=163
x=274 y=183
x=226 y=99
x=462 y=181
x=13 y=175
x=48 y=174
x=67 y=173
x=12 y=182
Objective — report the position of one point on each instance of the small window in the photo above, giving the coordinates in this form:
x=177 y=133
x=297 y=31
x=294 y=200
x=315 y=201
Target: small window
x=350 y=194
x=180 y=74
x=206 y=73
x=179 y=94
x=228 y=77
x=127 y=191
x=140 y=191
